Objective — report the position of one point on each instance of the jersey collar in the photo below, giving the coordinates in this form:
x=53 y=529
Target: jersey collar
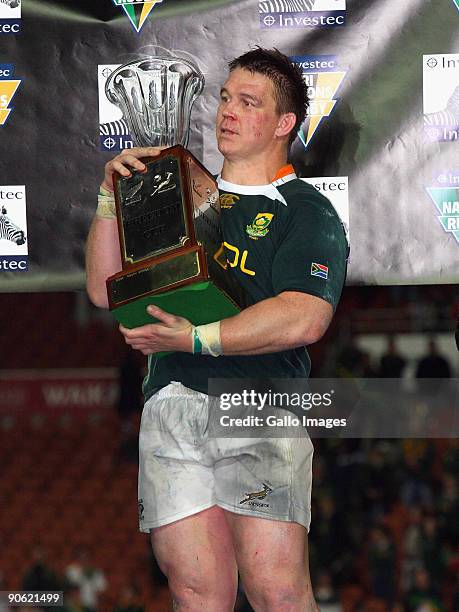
x=284 y=175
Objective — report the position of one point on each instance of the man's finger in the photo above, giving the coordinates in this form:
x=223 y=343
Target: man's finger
x=138 y=332
x=117 y=166
x=133 y=162
x=163 y=316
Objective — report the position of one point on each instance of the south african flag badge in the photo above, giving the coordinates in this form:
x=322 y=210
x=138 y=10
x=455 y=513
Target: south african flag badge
x=318 y=269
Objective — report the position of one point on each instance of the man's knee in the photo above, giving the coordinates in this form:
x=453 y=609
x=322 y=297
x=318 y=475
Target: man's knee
x=200 y=591
x=202 y=596
x=281 y=596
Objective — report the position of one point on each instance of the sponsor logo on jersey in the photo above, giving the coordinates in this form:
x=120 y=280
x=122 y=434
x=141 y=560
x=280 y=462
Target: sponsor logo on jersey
x=227 y=200
x=10 y=16
x=323 y=78
x=441 y=96
x=13 y=229
x=446 y=200
x=320 y=270
x=456 y=4
x=114 y=133
x=136 y=10
x=8 y=87
x=250 y=497
x=259 y=226
x=288 y=14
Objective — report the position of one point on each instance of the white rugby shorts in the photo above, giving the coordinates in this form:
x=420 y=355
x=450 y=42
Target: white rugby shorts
x=182 y=470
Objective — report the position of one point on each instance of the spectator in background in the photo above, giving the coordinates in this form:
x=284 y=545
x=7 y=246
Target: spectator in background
x=447 y=506
x=411 y=547
x=423 y=596
x=327 y=531
x=129 y=601
x=433 y=554
x=39 y=576
x=72 y=599
x=416 y=488
x=381 y=564
x=326 y=596
x=90 y=580
x=349 y=360
x=392 y=364
x=433 y=364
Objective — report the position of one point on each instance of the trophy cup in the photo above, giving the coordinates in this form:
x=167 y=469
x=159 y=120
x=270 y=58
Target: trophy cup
x=168 y=216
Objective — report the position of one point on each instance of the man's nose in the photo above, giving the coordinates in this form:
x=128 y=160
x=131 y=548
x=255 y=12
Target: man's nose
x=229 y=109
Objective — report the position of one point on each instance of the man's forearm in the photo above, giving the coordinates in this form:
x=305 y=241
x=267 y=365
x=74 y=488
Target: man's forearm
x=284 y=322
x=102 y=258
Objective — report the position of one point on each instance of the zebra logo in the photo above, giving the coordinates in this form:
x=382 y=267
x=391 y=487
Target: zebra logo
x=11 y=3
x=286 y=6
x=10 y=9
x=448 y=115
x=10 y=231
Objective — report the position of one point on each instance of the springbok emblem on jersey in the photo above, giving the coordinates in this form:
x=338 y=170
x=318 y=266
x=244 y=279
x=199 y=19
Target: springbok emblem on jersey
x=258 y=494
x=259 y=226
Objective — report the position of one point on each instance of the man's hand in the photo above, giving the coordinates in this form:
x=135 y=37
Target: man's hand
x=172 y=334
x=126 y=161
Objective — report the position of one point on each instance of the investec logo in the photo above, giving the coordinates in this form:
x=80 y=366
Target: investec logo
x=113 y=130
x=136 y=10
x=10 y=16
x=8 y=87
x=446 y=200
x=13 y=229
x=323 y=80
x=441 y=96
x=302 y=13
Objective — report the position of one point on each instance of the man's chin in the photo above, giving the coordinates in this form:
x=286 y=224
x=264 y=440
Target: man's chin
x=224 y=147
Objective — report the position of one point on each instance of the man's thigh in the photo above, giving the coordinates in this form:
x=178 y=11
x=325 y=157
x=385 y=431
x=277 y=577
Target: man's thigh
x=197 y=555
x=272 y=558
x=267 y=548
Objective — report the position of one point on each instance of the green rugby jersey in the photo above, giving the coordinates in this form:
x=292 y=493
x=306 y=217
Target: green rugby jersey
x=285 y=236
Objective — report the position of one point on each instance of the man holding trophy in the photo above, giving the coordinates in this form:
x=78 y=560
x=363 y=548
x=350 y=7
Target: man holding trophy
x=285 y=246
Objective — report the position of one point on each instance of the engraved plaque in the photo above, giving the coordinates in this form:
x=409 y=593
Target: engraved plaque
x=170 y=238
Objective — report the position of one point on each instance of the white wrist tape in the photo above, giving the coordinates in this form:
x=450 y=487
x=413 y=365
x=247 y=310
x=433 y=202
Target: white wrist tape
x=106 y=204
x=208 y=336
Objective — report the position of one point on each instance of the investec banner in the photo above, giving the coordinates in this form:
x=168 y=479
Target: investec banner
x=287 y=14
x=444 y=193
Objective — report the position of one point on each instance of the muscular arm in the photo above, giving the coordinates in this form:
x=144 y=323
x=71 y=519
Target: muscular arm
x=102 y=258
x=286 y=321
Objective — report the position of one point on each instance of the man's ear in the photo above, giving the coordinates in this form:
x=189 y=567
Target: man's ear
x=286 y=124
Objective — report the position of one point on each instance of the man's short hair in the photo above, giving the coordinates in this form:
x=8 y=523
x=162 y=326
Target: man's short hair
x=290 y=89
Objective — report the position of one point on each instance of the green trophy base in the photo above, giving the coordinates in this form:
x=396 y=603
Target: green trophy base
x=200 y=303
